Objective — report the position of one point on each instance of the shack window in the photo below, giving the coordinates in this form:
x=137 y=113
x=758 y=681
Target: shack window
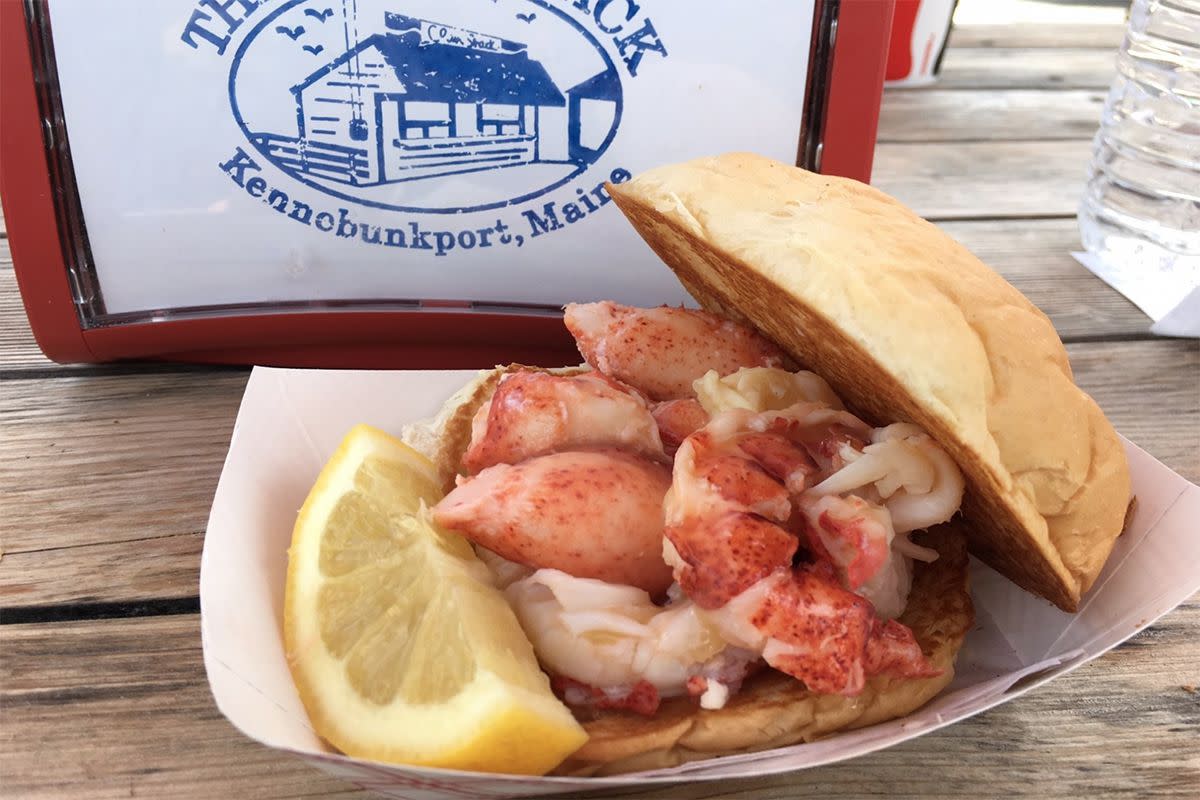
x=424 y=120
x=497 y=120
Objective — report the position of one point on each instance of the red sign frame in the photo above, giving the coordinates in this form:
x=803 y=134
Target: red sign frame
x=438 y=335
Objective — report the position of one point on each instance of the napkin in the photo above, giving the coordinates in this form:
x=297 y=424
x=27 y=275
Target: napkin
x=1168 y=293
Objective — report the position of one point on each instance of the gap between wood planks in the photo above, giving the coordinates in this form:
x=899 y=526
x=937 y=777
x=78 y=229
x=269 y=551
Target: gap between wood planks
x=116 y=369
x=75 y=612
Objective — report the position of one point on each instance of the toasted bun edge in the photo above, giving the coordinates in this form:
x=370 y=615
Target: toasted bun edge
x=774 y=710
x=906 y=324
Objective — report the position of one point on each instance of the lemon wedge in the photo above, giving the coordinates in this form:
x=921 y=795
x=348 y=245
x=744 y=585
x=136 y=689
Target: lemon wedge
x=400 y=647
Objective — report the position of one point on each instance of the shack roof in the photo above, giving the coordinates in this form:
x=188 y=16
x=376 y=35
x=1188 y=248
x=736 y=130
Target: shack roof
x=449 y=73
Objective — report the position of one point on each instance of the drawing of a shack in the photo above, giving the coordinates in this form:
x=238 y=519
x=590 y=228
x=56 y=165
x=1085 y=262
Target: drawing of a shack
x=422 y=101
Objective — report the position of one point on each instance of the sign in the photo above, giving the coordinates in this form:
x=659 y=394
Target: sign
x=385 y=182
x=248 y=151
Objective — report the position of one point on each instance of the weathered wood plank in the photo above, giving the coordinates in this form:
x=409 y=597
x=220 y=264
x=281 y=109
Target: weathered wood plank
x=1032 y=254
x=1098 y=35
x=1138 y=385
x=1050 y=15
x=949 y=180
x=126 y=570
x=1019 y=68
x=940 y=180
x=18 y=349
x=89 y=460
x=111 y=478
x=126 y=703
x=957 y=180
x=946 y=115
x=1035 y=256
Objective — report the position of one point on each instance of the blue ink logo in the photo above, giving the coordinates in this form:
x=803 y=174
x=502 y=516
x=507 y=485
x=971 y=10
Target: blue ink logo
x=378 y=104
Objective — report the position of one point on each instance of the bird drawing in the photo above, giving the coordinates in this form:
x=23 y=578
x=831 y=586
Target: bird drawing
x=319 y=16
x=292 y=33
x=527 y=17
x=313 y=50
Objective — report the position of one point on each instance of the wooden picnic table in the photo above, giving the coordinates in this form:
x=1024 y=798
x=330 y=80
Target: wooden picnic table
x=107 y=474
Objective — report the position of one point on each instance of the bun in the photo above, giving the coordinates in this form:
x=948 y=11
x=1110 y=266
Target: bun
x=906 y=325
x=775 y=710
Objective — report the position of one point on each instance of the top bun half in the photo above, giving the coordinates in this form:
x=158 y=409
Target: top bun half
x=907 y=325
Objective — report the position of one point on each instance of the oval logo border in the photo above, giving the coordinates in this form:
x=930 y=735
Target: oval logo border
x=543 y=4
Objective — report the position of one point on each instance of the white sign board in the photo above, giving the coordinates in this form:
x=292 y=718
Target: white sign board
x=258 y=151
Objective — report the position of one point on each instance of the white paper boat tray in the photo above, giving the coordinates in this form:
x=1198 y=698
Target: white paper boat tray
x=290 y=422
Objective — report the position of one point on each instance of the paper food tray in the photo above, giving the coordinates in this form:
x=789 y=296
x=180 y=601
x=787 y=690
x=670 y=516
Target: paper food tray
x=290 y=422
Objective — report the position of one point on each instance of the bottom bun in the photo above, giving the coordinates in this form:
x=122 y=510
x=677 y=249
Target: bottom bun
x=772 y=709
x=775 y=710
